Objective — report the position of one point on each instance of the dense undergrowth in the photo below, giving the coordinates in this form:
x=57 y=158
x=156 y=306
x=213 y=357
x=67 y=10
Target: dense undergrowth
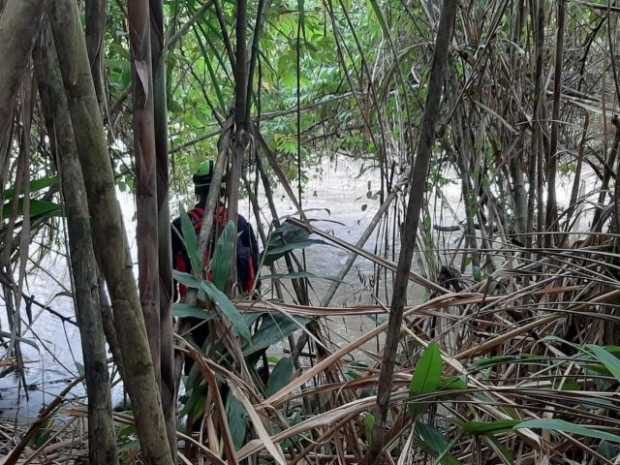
x=508 y=351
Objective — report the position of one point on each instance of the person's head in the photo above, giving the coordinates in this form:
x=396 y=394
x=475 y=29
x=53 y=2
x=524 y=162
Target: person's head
x=202 y=180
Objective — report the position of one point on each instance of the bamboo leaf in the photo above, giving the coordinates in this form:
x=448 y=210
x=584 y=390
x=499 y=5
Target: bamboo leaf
x=187 y=279
x=36 y=185
x=294 y=245
x=286 y=239
x=568 y=427
x=228 y=309
x=223 y=256
x=454 y=383
x=379 y=14
x=38 y=208
x=427 y=375
x=259 y=427
x=216 y=84
x=611 y=362
x=280 y=376
x=369 y=423
x=190 y=241
x=237 y=421
x=481 y=428
x=273 y=329
x=434 y=441
x=182 y=310
x=221 y=301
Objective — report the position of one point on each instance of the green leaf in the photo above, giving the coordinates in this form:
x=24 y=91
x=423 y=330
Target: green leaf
x=280 y=376
x=126 y=431
x=427 y=375
x=454 y=383
x=379 y=14
x=237 y=421
x=38 y=208
x=182 y=310
x=609 y=451
x=486 y=362
x=369 y=423
x=223 y=303
x=190 y=241
x=611 y=362
x=481 y=428
x=273 y=329
x=216 y=85
x=567 y=427
x=222 y=256
x=434 y=441
x=35 y=186
x=286 y=238
x=187 y=279
x=195 y=405
x=293 y=246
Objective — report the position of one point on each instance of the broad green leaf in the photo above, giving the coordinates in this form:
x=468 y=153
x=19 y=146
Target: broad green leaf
x=427 y=375
x=182 y=310
x=195 y=405
x=480 y=428
x=273 y=329
x=187 y=279
x=287 y=238
x=611 y=362
x=237 y=421
x=454 y=383
x=280 y=376
x=35 y=186
x=293 y=246
x=38 y=208
x=250 y=318
x=190 y=241
x=223 y=303
x=567 y=427
x=222 y=256
x=434 y=441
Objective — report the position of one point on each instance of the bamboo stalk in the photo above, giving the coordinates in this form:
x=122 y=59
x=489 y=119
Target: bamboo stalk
x=418 y=179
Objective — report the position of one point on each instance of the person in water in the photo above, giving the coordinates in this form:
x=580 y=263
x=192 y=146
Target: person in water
x=247 y=246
